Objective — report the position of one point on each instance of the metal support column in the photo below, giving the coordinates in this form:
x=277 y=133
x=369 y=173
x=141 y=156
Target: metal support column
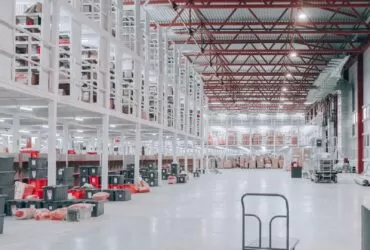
x=137 y=81
x=16 y=136
x=186 y=154
x=52 y=134
x=160 y=155
x=52 y=111
x=360 y=104
x=104 y=150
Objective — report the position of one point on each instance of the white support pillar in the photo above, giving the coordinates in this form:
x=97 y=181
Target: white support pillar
x=52 y=153
x=65 y=141
x=160 y=155
x=174 y=148
x=104 y=150
x=187 y=97
x=186 y=154
x=52 y=111
x=16 y=135
x=164 y=58
x=194 y=160
x=137 y=81
x=147 y=65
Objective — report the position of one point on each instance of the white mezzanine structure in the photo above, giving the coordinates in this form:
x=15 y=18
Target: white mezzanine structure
x=95 y=75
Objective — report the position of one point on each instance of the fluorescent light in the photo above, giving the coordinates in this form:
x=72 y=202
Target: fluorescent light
x=45 y=126
x=57 y=134
x=79 y=131
x=288 y=75
x=24 y=131
x=302 y=16
x=80 y=119
x=284 y=89
x=307 y=103
x=293 y=54
x=112 y=126
x=9 y=135
x=288 y=103
x=78 y=137
x=25 y=108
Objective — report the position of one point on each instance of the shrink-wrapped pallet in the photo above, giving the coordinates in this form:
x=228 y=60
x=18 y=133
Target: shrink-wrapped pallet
x=275 y=162
x=252 y=162
x=260 y=162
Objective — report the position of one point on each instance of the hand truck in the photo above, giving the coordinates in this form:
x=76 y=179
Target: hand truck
x=264 y=243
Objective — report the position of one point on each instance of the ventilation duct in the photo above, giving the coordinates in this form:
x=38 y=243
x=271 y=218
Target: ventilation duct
x=328 y=80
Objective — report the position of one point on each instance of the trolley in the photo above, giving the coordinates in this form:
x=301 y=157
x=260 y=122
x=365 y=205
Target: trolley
x=270 y=243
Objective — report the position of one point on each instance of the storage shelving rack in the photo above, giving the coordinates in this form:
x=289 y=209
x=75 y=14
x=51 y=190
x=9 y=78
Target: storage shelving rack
x=28 y=47
x=366 y=134
x=70 y=60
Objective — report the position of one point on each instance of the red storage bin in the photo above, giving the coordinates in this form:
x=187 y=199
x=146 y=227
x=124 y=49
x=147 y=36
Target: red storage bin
x=39 y=193
x=94 y=180
x=114 y=186
x=79 y=194
x=38 y=183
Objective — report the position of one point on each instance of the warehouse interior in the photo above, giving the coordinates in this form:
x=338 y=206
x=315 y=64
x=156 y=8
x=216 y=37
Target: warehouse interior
x=185 y=124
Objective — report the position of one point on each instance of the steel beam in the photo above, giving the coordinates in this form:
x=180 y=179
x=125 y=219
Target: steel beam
x=257 y=23
x=259 y=74
x=273 y=52
x=360 y=103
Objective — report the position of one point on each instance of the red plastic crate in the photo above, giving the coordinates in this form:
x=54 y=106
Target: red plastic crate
x=114 y=186
x=79 y=194
x=94 y=180
x=38 y=183
x=39 y=193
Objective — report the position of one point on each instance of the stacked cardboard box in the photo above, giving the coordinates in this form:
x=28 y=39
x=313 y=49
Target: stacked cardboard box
x=275 y=162
x=246 y=139
x=260 y=162
x=252 y=162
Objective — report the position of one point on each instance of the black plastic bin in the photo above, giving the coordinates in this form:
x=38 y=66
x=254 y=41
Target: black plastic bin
x=90 y=192
x=3 y=198
x=181 y=179
x=35 y=204
x=122 y=195
x=2 y=216
x=196 y=174
x=55 y=193
x=165 y=177
x=8 y=190
x=153 y=182
x=84 y=180
x=115 y=179
x=296 y=172
x=111 y=193
x=37 y=173
x=129 y=181
x=6 y=163
x=12 y=205
x=6 y=178
x=37 y=163
x=98 y=208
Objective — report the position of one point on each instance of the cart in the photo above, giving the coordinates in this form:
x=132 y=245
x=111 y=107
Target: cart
x=267 y=243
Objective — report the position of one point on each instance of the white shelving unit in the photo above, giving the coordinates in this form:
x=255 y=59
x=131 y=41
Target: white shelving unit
x=366 y=134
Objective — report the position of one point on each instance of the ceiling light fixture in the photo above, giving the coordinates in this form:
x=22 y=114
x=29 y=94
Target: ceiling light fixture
x=24 y=131
x=44 y=126
x=293 y=54
x=24 y=108
x=79 y=131
x=302 y=16
x=288 y=75
x=80 y=119
x=284 y=89
x=2 y=120
x=112 y=125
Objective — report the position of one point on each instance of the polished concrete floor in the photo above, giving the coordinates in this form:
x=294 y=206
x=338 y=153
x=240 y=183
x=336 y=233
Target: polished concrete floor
x=205 y=214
